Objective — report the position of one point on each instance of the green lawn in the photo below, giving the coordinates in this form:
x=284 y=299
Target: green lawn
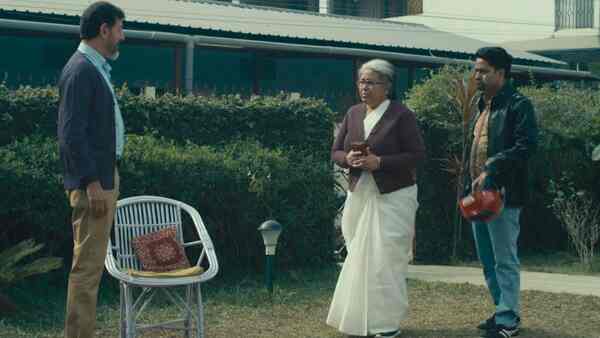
x=239 y=307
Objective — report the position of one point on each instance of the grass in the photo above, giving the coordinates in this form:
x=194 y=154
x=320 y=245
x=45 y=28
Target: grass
x=560 y=262
x=552 y=262
x=239 y=307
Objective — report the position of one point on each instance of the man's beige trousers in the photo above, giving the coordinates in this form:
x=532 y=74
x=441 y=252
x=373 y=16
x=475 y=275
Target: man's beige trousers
x=90 y=239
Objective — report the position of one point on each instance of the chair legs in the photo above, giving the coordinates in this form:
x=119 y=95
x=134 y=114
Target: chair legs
x=187 y=323
x=200 y=321
x=193 y=303
x=129 y=313
x=122 y=315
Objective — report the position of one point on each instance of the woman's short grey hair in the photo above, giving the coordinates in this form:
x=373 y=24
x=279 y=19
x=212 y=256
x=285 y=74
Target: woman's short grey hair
x=382 y=67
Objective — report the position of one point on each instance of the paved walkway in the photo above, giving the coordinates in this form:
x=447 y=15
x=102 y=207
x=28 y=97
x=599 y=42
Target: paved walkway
x=549 y=282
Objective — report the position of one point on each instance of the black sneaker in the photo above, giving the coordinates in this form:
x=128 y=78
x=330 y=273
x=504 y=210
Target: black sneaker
x=501 y=331
x=490 y=323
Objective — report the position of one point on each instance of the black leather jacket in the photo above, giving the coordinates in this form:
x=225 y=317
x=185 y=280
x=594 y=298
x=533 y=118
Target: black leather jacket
x=512 y=140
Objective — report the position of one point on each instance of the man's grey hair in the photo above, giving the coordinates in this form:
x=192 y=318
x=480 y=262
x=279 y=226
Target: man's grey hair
x=379 y=66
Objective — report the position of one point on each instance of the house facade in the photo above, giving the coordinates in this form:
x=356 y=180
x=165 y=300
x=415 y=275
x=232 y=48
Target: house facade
x=566 y=30
x=223 y=48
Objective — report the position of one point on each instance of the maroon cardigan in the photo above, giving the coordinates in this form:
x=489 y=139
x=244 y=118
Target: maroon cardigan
x=396 y=139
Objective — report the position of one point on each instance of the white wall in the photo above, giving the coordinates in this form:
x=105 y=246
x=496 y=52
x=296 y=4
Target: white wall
x=517 y=10
x=493 y=21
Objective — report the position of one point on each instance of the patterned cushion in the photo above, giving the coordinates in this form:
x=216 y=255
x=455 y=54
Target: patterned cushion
x=159 y=251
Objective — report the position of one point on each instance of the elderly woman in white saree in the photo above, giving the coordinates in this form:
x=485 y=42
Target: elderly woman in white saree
x=379 y=214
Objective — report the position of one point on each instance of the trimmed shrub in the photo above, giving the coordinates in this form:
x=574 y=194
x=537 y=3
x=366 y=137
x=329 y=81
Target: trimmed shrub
x=302 y=124
x=34 y=205
x=441 y=124
x=235 y=188
x=567 y=110
x=568 y=118
x=27 y=111
x=284 y=174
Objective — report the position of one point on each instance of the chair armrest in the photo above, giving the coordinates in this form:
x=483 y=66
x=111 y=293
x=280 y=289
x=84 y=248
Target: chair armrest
x=194 y=243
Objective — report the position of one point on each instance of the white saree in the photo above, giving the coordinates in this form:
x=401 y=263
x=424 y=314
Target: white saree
x=370 y=296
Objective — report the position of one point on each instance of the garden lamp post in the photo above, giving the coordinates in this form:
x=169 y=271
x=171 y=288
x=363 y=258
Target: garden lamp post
x=270 y=231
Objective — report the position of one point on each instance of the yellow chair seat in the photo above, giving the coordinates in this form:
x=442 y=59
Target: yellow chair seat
x=188 y=272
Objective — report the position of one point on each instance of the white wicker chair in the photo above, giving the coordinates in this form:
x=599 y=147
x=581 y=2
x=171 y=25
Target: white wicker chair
x=140 y=215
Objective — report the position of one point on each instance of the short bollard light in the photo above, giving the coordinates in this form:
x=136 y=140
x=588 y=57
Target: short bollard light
x=270 y=231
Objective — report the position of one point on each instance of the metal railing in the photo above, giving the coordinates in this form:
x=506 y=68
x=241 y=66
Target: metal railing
x=572 y=14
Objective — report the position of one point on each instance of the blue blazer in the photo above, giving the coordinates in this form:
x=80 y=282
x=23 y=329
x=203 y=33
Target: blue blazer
x=86 y=125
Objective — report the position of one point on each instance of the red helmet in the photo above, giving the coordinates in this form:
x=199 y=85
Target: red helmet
x=482 y=206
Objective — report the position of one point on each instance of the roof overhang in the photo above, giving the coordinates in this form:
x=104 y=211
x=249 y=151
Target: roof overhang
x=566 y=47
x=226 y=19
x=558 y=43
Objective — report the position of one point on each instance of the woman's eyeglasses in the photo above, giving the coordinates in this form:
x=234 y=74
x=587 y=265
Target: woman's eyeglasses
x=367 y=83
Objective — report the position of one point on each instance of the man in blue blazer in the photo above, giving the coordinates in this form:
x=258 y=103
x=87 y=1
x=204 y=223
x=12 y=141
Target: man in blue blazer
x=91 y=138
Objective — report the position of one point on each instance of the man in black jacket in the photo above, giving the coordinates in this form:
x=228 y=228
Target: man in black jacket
x=91 y=140
x=503 y=135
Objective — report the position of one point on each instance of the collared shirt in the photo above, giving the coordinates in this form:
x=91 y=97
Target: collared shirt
x=480 y=142
x=104 y=68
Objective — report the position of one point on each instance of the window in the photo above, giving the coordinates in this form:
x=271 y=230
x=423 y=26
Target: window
x=300 y=5
x=370 y=8
x=574 y=14
x=375 y=8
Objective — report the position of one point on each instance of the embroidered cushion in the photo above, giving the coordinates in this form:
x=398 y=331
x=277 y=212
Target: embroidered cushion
x=159 y=251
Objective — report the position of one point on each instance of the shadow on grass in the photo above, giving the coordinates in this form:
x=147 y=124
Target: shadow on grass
x=538 y=333
x=466 y=333
x=430 y=333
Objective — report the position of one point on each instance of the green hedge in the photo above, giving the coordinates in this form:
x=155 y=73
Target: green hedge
x=33 y=203
x=27 y=111
x=302 y=124
x=234 y=188
x=197 y=154
x=285 y=173
x=569 y=120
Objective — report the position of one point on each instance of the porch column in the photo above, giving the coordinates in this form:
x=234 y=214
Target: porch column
x=596 y=19
x=326 y=6
x=189 y=67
